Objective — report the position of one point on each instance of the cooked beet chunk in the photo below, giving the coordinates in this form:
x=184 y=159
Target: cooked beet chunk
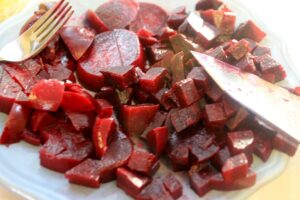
x=143 y=162
x=202 y=32
x=143 y=114
x=95 y=22
x=221 y=157
x=157 y=139
x=201 y=155
x=238 y=120
x=199 y=76
x=81 y=120
x=230 y=106
x=214 y=92
x=158 y=121
x=77 y=102
x=155 y=190
x=285 y=144
x=267 y=64
x=40 y=120
x=131 y=182
x=208 y=4
x=175 y=20
x=30 y=137
x=47 y=95
x=261 y=51
x=239 y=49
x=186 y=92
x=240 y=142
x=103 y=108
x=250 y=30
x=235 y=167
x=263 y=146
x=215 y=115
x=173 y=186
x=120 y=77
x=218 y=53
x=153 y=80
x=186 y=117
x=247 y=64
x=15 y=124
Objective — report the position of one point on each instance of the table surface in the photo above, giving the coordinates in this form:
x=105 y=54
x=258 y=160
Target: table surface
x=282 y=19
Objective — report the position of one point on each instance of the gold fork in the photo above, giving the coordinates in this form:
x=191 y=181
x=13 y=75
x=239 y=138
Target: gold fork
x=32 y=41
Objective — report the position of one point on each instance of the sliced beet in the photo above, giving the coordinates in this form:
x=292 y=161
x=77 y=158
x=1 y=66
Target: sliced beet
x=146 y=37
x=175 y=20
x=76 y=102
x=41 y=119
x=238 y=119
x=221 y=157
x=240 y=141
x=143 y=162
x=246 y=64
x=201 y=155
x=285 y=144
x=81 y=120
x=118 y=13
x=103 y=108
x=261 y=51
x=151 y=17
x=215 y=115
x=218 y=53
x=173 y=186
x=239 y=49
x=230 y=106
x=157 y=139
x=15 y=124
x=77 y=39
x=110 y=49
x=102 y=131
x=153 y=80
x=208 y=4
x=235 y=167
x=59 y=72
x=158 y=121
x=47 y=95
x=95 y=22
x=109 y=94
x=30 y=137
x=155 y=190
x=267 y=64
x=186 y=92
x=131 y=114
x=186 y=117
x=199 y=76
x=263 y=146
x=250 y=30
x=131 y=182
x=214 y=92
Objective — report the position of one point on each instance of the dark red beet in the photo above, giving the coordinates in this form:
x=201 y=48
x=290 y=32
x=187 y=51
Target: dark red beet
x=218 y=53
x=239 y=49
x=140 y=113
x=175 y=20
x=81 y=120
x=240 y=142
x=103 y=108
x=118 y=13
x=59 y=72
x=186 y=117
x=221 y=157
x=143 y=162
x=124 y=50
x=120 y=77
x=157 y=139
x=235 y=167
x=76 y=102
x=199 y=76
x=95 y=22
x=158 y=121
x=47 y=95
x=77 y=39
x=30 y=137
x=285 y=144
x=249 y=30
x=230 y=106
x=131 y=182
x=186 y=92
x=238 y=119
x=215 y=115
x=200 y=155
x=153 y=80
x=208 y=4
x=214 y=92
x=109 y=94
x=146 y=37
x=102 y=131
x=267 y=64
x=154 y=191
x=15 y=124
x=179 y=158
x=41 y=119
x=173 y=186
x=150 y=17
x=261 y=51
x=247 y=64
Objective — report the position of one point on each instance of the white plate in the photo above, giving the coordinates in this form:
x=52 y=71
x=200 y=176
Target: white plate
x=21 y=173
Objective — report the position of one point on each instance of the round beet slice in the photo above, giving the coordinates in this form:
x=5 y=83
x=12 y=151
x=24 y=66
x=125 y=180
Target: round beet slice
x=150 y=17
x=118 y=13
x=110 y=49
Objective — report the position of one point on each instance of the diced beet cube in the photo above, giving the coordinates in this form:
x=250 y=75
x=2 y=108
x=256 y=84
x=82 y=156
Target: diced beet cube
x=143 y=162
x=95 y=22
x=120 y=77
x=200 y=155
x=215 y=115
x=267 y=64
x=143 y=114
x=285 y=144
x=175 y=20
x=131 y=182
x=235 y=167
x=208 y=4
x=15 y=124
x=30 y=137
x=173 y=186
x=199 y=76
x=214 y=17
x=186 y=92
x=156 y=52
x=163 y=97
x=157 y=139
x=109 y=94
x=40 y=120
x=263 y=146
x=154 y=191
x=261 y=51
x=186 y=117
x=250 y=30
x=81 y=120
x=202 y=32
x=246 y=64
x=252 y=44
x=153 y=80
x=238 y=119
x=146 y=37
x=227 y=25
x=221 y=157
x=77 y=39
x=47 y=95
x=239 y=50
x=76 y=102
x=179 y=158
x=214 y=92
x=230 y=106
x=158 y=121
x=240 y=142
x=218 y=53
x=103 y=108
x=102 y=130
